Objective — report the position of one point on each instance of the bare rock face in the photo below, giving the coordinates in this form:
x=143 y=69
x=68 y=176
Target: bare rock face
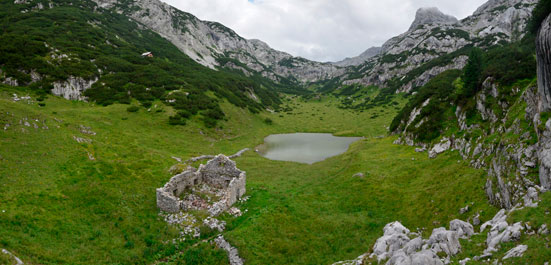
x=73 y=88
x=543 y=51
x=219 y=178
x=431 y=15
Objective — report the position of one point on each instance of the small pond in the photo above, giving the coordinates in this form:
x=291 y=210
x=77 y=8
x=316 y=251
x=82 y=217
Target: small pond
x=305 y=148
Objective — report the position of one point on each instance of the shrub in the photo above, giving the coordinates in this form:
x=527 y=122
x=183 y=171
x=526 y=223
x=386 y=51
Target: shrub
x=176 y=120
x=209 y=122
x=268 y=121
x=133 y=109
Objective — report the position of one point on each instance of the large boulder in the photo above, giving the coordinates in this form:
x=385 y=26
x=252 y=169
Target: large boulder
x=395 y=237
x=446 y=241
x=463 y=229
x=439 y=148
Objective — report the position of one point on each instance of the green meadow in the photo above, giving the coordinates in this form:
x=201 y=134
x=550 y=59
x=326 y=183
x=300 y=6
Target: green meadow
x=65 y=202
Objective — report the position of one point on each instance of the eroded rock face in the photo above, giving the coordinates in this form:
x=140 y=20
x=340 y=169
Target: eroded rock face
x=219 y=176
x=543 y=52
x=73 y=88
x=431 y=15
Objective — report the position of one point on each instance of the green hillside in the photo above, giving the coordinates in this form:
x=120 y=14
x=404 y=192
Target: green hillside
x=71 y=39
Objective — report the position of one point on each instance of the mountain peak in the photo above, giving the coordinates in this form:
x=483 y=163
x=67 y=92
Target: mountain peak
x=431 y=15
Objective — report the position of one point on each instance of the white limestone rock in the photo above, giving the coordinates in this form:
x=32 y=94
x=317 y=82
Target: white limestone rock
x=439 y=148
x=531 y=198
x=395 y=237
x=464 y=230
x=445 y=241
x=73 y=88
x=516 y=252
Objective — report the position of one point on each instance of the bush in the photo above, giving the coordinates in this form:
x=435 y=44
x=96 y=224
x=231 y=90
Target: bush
x=176 y=120
x=209 y=122
x=268 y=121
x=133 y=109
x=147 y=104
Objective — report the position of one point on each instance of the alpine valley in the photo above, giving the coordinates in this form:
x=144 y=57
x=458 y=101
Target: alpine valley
x=132 y=132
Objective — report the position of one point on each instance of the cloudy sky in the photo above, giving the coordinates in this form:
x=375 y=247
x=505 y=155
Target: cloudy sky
x=321 y=30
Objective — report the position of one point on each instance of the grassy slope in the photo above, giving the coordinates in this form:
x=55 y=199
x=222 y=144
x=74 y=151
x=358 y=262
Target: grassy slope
x=61 y=207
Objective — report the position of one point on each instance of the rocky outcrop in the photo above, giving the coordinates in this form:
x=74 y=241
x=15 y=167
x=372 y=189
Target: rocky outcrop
x=439 y=148
x=219 y=178
x=425 y=77
x=431 y=15
x=73 y=88
x=518 y=251
x=512 y=164
x=399 y=246
x=500 y=231
x=464 y=230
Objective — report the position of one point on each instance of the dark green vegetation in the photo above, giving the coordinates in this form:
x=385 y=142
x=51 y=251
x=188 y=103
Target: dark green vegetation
x=72 y=40
x=541 y=11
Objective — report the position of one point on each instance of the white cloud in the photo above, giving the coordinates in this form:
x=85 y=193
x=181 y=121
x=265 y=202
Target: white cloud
x=321 y=30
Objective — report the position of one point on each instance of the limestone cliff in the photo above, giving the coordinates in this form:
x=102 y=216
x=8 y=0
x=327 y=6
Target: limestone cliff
x=431 y=15
x=210 y=43
x=543 y=49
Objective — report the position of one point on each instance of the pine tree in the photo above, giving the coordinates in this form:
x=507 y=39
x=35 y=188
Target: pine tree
x=472 y=73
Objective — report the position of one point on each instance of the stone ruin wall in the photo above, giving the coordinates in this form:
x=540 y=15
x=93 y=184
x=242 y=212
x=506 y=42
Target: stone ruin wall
x=220 y=172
